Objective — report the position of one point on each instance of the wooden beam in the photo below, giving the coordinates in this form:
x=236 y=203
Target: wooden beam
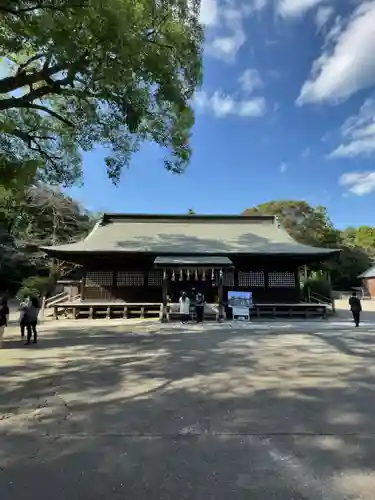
x=83 y=285
x=164 y=316
x=220 y=315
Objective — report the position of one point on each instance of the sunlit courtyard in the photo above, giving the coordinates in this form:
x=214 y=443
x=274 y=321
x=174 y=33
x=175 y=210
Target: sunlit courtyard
x=150 y=411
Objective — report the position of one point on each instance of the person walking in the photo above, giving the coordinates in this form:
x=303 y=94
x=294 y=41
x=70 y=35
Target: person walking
x=32 y=312
x=4 y=316
x=199 y=306
x=356 y=308
x=184 y=307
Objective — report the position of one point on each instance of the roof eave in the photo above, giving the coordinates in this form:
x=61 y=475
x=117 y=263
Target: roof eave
x=314 y=252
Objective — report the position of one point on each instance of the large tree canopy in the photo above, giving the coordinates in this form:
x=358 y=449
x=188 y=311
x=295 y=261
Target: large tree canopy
x=306 y=224
x=40 y=215
x=107 y=72
x=312 y=226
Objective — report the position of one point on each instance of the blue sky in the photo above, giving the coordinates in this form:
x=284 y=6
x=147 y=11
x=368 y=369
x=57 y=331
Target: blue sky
x=286 y=111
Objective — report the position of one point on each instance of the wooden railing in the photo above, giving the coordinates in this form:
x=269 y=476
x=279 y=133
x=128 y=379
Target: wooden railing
x=321 y=299
x=58 y=299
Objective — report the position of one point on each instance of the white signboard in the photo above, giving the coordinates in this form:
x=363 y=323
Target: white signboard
x=240 y=302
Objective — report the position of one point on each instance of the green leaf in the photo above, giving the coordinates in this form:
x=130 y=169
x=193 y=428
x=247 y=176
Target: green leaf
x=111 y=73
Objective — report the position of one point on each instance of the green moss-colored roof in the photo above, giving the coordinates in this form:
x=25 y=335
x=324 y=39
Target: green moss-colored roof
x=189 y=235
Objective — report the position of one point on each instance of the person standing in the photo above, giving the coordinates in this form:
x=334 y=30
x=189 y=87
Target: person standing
x=32 y=312
x=356 y=308
x=4 y=316
x=23 y=318
x=184 y=307
x=199 y=306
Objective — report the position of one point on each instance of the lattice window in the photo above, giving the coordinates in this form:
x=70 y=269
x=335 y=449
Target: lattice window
x=130 y=278
x=252 y=279
x=281 y=279
x=155 y=278
x=228 y=278
x=99 y=278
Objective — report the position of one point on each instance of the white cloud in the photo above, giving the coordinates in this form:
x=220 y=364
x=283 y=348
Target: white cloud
x=283 y=167
x=358 y=133
x=223 y=105
x=229 y=35
x=255 y=6
x=323 y=15
x=252 y=107
x=296 y=8
x=306 y=153
x=250 y=80
x=349 y=66
x=226 y=47
x=225 y=19
x=209 y=12
x=359 y=183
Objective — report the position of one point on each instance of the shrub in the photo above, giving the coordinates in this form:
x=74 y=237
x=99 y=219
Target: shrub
x=34 y=285
x=320 y=287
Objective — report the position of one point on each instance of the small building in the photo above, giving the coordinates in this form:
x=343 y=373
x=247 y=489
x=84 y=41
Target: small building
x=153 y=258
x=69 y=283
x=368 y=282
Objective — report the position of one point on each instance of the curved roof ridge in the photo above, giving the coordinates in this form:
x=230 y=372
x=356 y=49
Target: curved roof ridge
x=370 y=273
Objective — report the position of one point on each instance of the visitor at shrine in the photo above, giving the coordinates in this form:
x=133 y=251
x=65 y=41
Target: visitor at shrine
x=356 y=308
x=23 y=318
x=199 y=306
x=32 y=312
x=4 y=316
x=184 y=307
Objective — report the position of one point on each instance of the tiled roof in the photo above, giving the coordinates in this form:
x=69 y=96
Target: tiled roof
x=189 y=235
x=370 y=273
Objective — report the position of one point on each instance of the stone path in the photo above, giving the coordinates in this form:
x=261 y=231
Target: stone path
x=150 y=411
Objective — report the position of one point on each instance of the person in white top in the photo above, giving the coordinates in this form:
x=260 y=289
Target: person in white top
x=184 y=307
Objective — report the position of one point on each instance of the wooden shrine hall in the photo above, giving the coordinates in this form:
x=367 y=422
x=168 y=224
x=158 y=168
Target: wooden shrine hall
x=144 y=262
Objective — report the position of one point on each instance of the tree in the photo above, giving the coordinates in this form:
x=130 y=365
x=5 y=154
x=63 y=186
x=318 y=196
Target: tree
x=365 y=238
x=40 y=216
x=312 y=226
x=306 y=224
x=81 y=73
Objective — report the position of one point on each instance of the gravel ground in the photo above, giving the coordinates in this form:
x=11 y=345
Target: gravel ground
x=149 y=411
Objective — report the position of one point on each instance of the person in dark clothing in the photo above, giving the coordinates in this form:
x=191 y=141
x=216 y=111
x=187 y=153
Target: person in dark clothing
x=23 y=318
x=32 y=312
x=199 y=306
x=356 y=308
x=4 y=315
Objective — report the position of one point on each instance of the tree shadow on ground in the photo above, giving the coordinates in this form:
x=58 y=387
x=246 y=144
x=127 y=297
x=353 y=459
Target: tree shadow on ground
x=148 y=405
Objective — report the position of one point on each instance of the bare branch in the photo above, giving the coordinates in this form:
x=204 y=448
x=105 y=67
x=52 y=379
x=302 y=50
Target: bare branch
x=32 y=59
x=24 y=102
x=50 y=112
x=50 y=158
x=33 y=145
x=28 y=137
x=22 y=79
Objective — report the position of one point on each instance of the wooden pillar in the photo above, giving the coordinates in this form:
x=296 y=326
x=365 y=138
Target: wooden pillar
x=235 y=279
x=220 y=314
x=164 y=315
x=114 y=284
x=83 y=285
